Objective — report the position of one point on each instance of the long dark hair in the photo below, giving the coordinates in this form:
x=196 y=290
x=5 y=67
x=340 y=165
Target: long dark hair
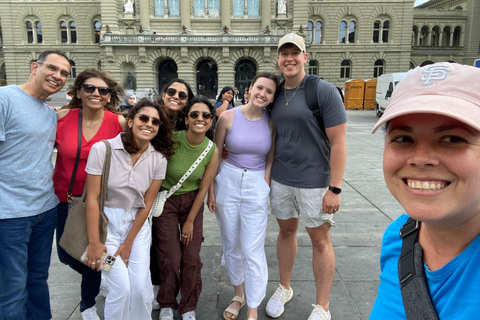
x=114 y=86
x=225 y=89
x=162 y=142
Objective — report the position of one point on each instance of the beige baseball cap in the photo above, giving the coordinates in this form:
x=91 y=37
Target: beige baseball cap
x=448 y=89
x=294 y=39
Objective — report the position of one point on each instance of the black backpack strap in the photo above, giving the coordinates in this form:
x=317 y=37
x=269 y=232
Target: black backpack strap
x=311 y=94
x=411 y=273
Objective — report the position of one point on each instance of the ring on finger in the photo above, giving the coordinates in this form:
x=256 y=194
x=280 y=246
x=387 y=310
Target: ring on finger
x=184 y=236
x=98 y=261
x=92 y=263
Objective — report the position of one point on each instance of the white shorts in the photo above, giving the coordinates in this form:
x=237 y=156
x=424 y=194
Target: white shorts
x=305 y=204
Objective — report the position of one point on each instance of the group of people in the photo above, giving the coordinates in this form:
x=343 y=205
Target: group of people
x=271 y=147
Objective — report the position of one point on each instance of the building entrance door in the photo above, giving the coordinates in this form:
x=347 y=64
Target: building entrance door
x=207 y=79
x=167 y=70
x=245 y=71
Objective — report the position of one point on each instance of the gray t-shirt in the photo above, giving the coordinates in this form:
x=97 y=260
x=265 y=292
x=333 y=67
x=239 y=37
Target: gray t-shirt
x=302 y=152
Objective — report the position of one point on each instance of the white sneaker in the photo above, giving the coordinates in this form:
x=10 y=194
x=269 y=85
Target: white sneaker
x=319 y=313
x=155 y=304
x=190 y=315
x=166 y=314
x=90 y=314
x=276 y=304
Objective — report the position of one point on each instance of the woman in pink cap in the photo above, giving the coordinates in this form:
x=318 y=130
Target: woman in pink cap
x=430 y=255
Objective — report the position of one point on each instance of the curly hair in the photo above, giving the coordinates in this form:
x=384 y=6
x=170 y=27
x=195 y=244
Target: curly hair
x=115 y=93
x=162 y=142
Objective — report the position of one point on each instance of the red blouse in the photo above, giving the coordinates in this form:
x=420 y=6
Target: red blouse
x=66 y=144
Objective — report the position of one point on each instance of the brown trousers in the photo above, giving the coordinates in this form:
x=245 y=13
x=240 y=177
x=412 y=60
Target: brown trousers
x=180 y=266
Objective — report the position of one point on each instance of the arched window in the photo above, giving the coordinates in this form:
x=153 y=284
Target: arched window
x=415 y=36
x=378 y=68
x=314 y=34
x=313 y=67
x=424 y=36
x=345 y=69
x=456 y=36
x=447 y=34
x=33 y=30
x=97 y=26
x=245 y=71
x=68 y=31
x=347 y=31
x=376 y=31
x=167 y=70
x=73 y=69
x=207 y=78
x=386 y=26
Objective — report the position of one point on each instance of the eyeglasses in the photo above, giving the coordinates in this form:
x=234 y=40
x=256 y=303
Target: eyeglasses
x=144 y=118
x=53 y=68
x=103 y=91
x=181 y=95
x=206 y=115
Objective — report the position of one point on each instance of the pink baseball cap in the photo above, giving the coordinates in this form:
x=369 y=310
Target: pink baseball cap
x=448 y=89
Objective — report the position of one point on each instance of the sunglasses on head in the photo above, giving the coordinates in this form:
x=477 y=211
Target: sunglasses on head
x=103 y=91
x=181 y=95
x=144 y=118
x=205 y=115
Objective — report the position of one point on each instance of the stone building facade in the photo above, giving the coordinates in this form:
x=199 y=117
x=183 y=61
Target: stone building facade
x=213 y=43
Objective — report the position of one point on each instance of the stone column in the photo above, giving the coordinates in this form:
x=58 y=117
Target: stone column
x=144 y=15
x=429 y=38
x=266 y=13
x=225 y=13
x=185 y=13
x=440 y=41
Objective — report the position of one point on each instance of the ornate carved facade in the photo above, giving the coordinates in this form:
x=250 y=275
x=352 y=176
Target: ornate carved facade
x=213 y=43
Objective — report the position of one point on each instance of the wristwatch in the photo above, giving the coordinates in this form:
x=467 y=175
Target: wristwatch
x=335 y=189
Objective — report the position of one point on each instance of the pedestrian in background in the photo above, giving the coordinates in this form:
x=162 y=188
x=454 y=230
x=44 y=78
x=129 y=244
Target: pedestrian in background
x=95 y=97
x=138 y=164
x=224 y=101
x=28 y=210
x=430 y=164
x=306 y=174
x=128 y=102
x=179 y=230
x=239 y=194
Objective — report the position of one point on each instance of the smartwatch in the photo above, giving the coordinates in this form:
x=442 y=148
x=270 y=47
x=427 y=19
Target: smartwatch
x=335 y=190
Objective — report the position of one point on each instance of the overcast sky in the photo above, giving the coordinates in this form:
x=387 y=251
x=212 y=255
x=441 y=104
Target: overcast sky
x=419 y=2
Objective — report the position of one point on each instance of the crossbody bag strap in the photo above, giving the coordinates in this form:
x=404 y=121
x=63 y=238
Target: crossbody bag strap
x=411 y=272
x=105 y=174
x=190 y=170
x=77 y=157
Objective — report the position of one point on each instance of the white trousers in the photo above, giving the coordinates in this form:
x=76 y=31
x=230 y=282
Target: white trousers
x=241 y=202
x=130 y=291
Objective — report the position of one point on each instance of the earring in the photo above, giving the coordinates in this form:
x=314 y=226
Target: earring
x=130 y=127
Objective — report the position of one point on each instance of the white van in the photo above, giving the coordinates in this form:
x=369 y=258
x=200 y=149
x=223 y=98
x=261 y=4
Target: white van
x=385 y=85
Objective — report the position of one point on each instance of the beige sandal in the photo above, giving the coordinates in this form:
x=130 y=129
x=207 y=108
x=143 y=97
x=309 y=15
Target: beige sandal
x=234 y=312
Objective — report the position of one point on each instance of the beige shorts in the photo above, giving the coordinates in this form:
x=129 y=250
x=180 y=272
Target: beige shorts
x=305 y=204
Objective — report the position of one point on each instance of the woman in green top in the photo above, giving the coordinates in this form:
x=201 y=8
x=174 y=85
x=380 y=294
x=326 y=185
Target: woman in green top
x=178 y=252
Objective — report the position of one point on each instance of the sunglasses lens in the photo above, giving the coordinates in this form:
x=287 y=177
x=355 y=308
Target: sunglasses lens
x=182 y=95
x=88 y=88
x=103 y=91
x=171 y=92
x=206 y=115
x=156 y=122
x=194 y=114
x=143 y=118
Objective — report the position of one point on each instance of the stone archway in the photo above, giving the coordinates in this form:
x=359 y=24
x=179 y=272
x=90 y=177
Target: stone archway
x=167 y=70
x=245 y=71
x=207 y=78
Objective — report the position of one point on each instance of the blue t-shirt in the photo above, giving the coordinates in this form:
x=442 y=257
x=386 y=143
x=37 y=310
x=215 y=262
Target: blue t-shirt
x=454 y=288
x=27 y=137
x=219 y=103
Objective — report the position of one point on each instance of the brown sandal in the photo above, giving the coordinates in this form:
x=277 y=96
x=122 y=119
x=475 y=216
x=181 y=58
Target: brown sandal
x=234 y=312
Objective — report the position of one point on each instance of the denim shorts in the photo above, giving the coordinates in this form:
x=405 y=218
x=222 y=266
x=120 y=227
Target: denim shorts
x=305 y=204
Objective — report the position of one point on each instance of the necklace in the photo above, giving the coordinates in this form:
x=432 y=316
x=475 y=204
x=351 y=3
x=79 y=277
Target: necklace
x=288 y=100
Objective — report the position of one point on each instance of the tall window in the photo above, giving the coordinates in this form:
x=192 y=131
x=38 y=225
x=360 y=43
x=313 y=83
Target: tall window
x=345 y=69
x=313 y=67
x=68 y=31
x=172 y=6
x=341 y=35
x=378 y=68
x=347 y=31
x=206 y=8
x=33 y=31
x=73 y=69
x=380 y=31
x=456 y=36
x=97 y=26
x=314 y=33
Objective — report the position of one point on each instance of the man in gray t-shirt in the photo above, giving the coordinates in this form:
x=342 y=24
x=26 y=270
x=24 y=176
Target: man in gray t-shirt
x=306 y=175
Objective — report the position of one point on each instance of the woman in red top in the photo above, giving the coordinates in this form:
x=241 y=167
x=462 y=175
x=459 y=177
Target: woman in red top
x=96 y=95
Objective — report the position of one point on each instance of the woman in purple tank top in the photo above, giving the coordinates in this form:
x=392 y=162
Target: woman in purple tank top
x=239 y=193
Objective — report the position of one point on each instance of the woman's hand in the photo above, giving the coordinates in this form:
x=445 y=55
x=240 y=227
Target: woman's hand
x=211 y=202
x=94 y=255
x=124 y=252
x=187 y=232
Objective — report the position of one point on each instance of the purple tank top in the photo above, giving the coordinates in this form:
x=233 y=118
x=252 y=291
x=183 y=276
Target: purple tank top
x=248 y=141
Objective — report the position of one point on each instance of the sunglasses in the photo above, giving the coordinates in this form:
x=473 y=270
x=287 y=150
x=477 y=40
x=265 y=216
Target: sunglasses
x=206 y=115
x=181 y=95
x=103 y=91
x=144 y=118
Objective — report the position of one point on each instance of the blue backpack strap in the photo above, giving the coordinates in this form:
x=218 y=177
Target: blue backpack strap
x=411 y=273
